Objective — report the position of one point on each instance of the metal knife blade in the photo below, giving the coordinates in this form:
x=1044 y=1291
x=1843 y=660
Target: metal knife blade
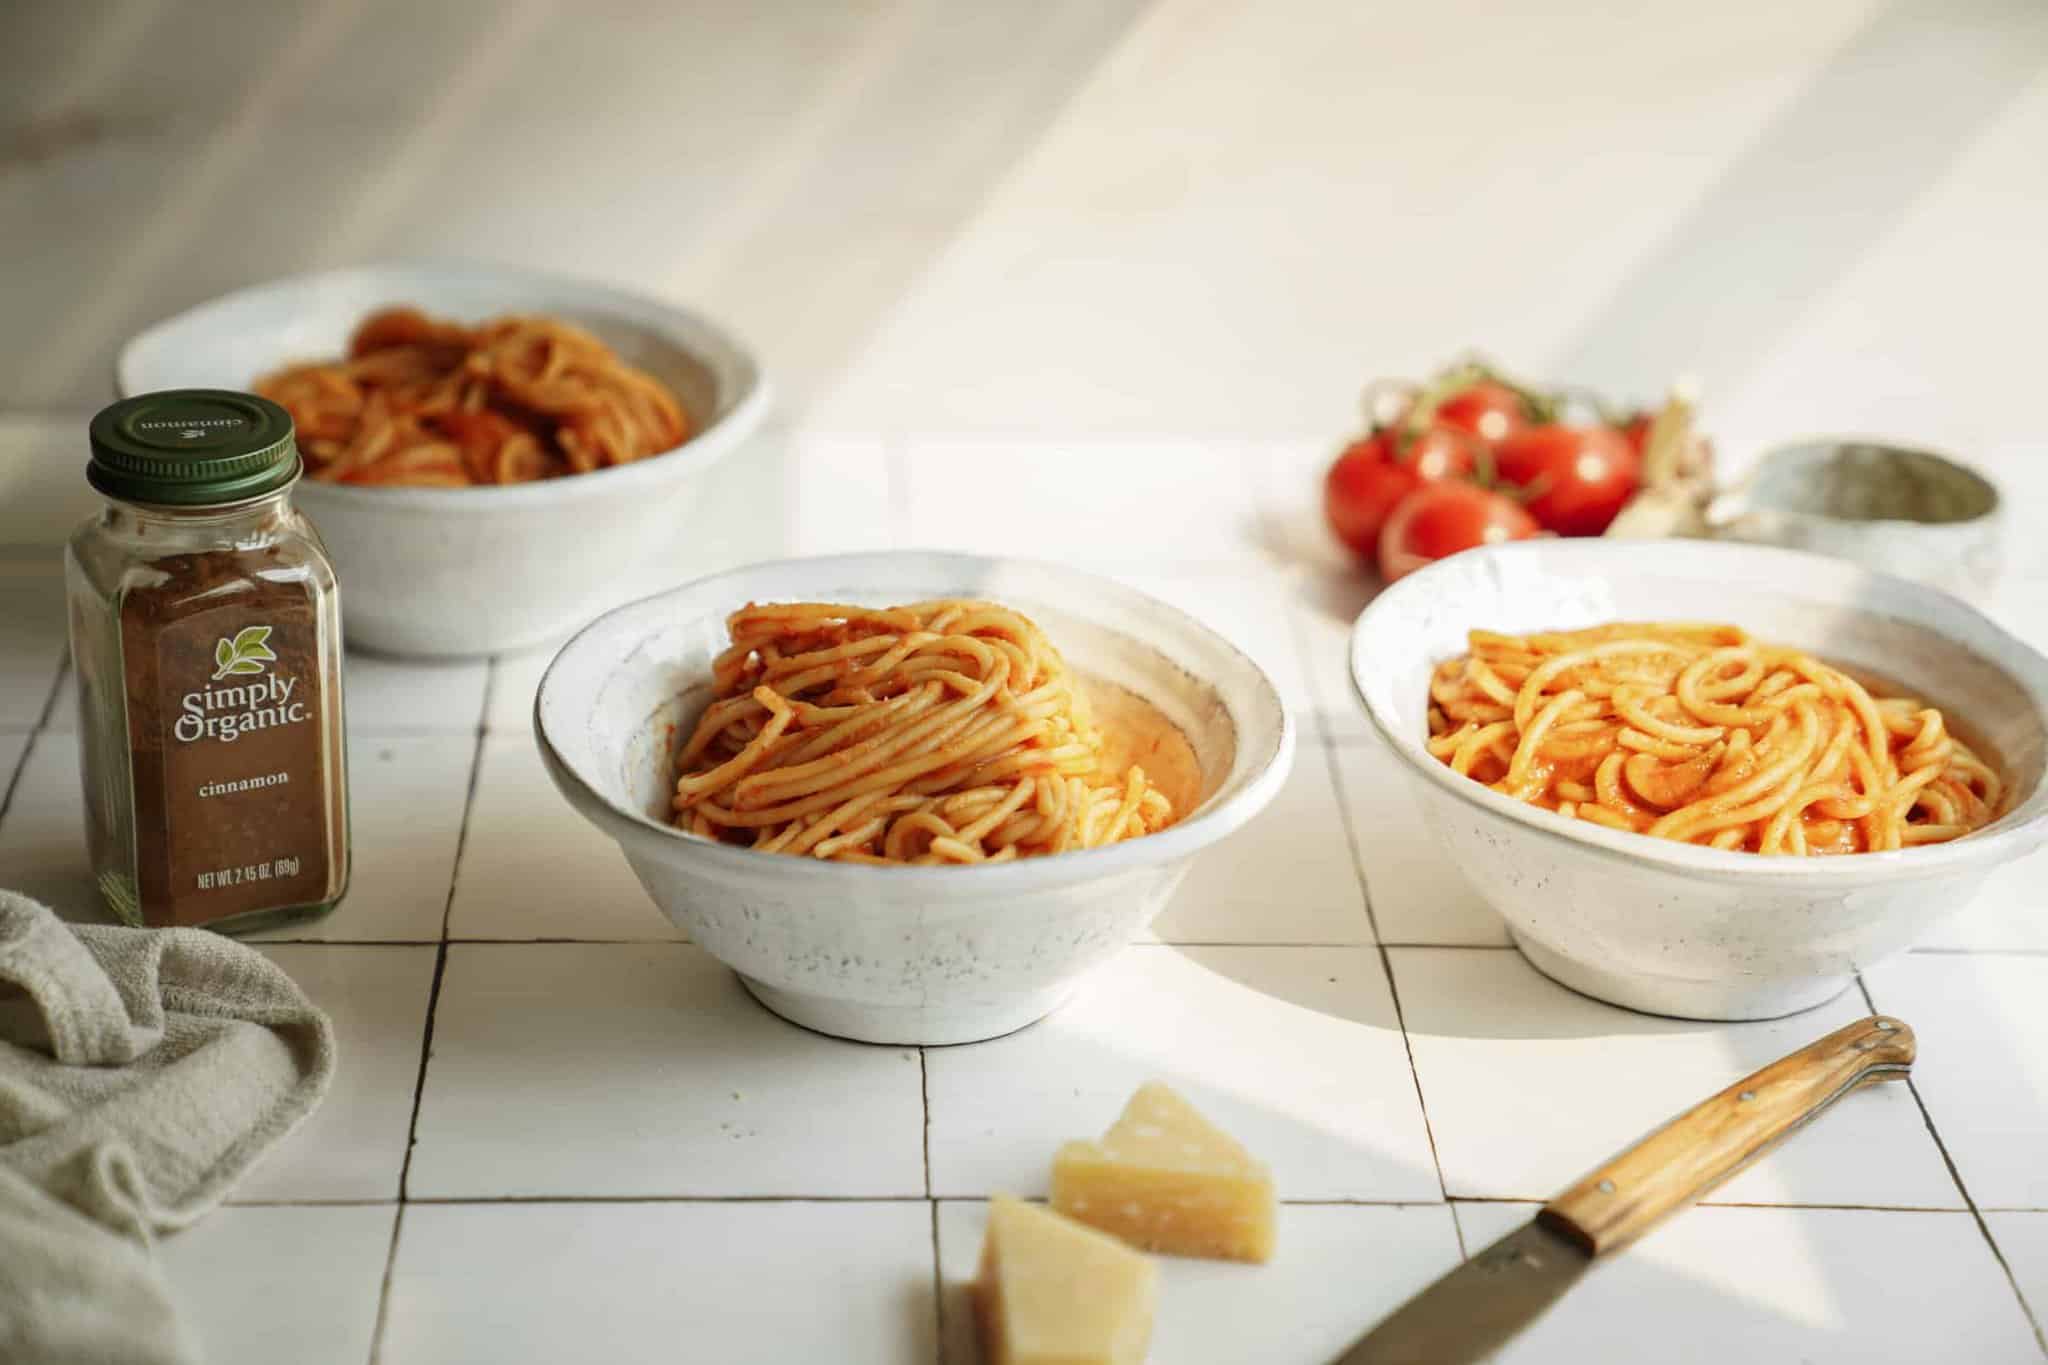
x=1473 y=1311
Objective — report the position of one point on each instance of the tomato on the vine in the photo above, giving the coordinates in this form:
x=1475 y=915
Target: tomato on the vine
x=1637 y=431
x=1370 y=477
x=1574 y=479
x=1441 y=519
x=1486 y=409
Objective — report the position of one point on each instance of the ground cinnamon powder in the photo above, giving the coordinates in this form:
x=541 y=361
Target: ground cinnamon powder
x=230 y=814
x=206 y=631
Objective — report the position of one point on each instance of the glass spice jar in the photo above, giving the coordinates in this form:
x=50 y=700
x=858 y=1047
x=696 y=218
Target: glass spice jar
x=206 y=635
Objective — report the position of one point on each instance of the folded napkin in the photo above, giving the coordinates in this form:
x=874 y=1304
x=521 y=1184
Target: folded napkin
x=142 y=1071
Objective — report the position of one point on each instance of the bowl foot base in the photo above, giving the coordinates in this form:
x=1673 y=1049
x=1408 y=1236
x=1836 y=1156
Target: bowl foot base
x=932 y=1025
x=1683 y=998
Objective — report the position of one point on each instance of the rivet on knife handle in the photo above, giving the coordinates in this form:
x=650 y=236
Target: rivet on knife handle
x=1702 y=1147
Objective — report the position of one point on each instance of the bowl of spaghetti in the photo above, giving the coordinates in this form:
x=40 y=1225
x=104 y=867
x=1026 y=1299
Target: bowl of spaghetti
x=490 y=452
x=910 y=797
x=1706 y=780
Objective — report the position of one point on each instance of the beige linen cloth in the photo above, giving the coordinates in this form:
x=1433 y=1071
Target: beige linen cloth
x=142 y=1071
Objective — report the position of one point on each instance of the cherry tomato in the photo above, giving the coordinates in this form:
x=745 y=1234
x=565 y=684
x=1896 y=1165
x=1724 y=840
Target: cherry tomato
x=1576 y=478
x=1368 y=479
x=1487 y=410
x=1637 y=431
x=1441 y=519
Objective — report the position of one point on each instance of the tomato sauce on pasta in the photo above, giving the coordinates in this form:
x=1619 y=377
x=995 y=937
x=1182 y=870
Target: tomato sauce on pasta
x=1704 y=735
x=429 y=403
x=943 y=732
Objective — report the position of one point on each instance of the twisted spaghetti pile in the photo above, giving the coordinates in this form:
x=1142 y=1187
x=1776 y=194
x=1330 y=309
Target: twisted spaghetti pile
x=944 y=732
x=1700 y=734
x=424 y=402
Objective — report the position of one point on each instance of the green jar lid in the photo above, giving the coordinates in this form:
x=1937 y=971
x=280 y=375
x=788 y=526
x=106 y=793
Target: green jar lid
x=192 y=447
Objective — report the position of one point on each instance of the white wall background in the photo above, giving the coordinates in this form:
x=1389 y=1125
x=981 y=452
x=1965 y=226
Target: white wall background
x=1184 y=217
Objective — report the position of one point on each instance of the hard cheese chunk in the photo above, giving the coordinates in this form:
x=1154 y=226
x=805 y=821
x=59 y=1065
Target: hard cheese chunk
x=1166 y=1179
x=1052 y=1292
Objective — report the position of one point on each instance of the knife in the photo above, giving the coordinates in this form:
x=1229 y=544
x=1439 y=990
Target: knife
x=1473 y=1311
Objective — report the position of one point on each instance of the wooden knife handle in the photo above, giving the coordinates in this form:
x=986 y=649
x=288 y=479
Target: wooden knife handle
x=1702 y=1147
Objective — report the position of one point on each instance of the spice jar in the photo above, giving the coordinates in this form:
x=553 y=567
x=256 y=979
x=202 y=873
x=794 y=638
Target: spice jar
x=206 y=635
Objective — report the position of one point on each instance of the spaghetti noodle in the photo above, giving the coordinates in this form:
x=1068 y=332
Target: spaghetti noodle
x=1700 y=734
x=943 y=732
x=430 y=403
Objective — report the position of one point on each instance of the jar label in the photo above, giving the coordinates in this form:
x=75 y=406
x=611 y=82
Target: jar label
x=229 y=750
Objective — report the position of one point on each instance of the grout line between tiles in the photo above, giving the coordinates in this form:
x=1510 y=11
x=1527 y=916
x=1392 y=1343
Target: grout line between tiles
x=1329 y=753
x=56 y=691
x=462 y=940
x=14 y=778
x=255 y=942
x=476 y=767
x=1312 y=722
x=1955 y=1174
x=1530 y=1201
x=1457 y=947
x=473 y=1200
x=1292 y=1203
x=384 y=1288
x=419 y=1089
x=35 y=733
x=672 y=942
x=924 y=1091
x=938 y=1289
x=1422 y=1102
x=232 y=1203
x=1336 y=770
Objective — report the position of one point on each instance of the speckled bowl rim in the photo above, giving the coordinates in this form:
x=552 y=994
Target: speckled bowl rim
x=740 y=410
x=1733 y=503
x=2020 y=829
x=1211 y=821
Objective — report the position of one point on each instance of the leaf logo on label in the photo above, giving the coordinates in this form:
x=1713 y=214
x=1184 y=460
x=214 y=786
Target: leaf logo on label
x=246 y=653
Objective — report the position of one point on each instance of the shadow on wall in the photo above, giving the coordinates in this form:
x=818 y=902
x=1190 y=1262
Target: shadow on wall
x=352 y=131
x=1814 y=192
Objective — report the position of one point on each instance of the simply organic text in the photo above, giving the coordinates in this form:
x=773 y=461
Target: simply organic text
x=228 y=713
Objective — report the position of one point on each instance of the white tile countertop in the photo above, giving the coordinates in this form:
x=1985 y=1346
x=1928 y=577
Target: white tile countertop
x=1132 y=259
x=561 y=1133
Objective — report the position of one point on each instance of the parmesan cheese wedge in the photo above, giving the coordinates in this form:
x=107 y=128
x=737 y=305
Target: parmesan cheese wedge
x=1052 y=1292
x=1166 y=1179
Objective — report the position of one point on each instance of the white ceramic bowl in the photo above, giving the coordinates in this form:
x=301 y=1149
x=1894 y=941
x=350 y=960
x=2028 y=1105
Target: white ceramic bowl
x=1891 y=508
x=1667 y=927
x=903 y=954
x=451 y=572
